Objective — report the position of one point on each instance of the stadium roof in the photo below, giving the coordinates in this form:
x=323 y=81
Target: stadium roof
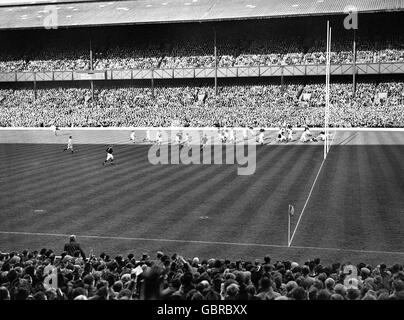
x=35 y=14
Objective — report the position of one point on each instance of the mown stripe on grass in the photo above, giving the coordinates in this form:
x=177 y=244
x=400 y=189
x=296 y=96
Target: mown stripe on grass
x=222 y=193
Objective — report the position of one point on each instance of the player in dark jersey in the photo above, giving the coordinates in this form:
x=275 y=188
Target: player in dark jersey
x=204 y=141
x=110 y=156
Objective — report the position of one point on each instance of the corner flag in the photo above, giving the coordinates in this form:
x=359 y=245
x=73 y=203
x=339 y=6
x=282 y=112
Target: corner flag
x=291 y=210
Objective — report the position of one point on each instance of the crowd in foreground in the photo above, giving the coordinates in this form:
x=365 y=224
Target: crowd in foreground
x=373 y=105
x=26 y=276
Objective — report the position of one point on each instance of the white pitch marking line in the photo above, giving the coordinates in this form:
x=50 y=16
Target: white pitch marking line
x=307 y=201
x=349 y=250
x=199 y=242
x=142 y=239
x=311 y=190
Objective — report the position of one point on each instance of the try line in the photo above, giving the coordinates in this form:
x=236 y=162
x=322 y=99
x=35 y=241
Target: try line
x=198 y=242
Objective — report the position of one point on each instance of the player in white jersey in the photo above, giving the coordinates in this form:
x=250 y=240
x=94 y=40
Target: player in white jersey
x=307 y=129
x=323 y=135
x=289 y=131
x=69 y=145
x=132 y=136
x=187 y=140
x=252 y=132
x=260 y=138
x=219 y=134
x=222 y=136
x=148 y=137
x=245 y=133
x=159 y=138
x=178 y=138
x=225 y=134
x=305 y=136
x=54 y=129
x=231 y=135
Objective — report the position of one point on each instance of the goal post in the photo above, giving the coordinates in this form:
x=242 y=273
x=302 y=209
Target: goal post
x=327 y=92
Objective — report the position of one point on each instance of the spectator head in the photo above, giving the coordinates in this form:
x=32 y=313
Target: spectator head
x=305 y=270
x=372 y=294
x=125 y=278
x=329 y=283
x=398 y=285
x=22 y=294
x=395 y=268
x=232 y=290
x=102 y=293
x=79 y=291
x=383 y=294
x=353 y=294
x=291 y=285
x=337 y=296
x=186 y=279
x=51 y=294
x=72 y=238
x=14 y=260
x=40 y=296
x=117 y=286
x=195 y=295
x=298 y=294
x=265 y=283
x=340 y=289
x=4 y=294
x=88 y=280
x=251 y=291
x=323 y=294
x=364 y=273
x=195 y=261
x=313 y=293
x=124 y=294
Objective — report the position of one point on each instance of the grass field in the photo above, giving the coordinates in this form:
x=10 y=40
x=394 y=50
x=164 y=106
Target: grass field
x=354 y=212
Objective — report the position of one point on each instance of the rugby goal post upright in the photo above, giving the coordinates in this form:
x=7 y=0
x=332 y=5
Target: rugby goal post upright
x=327 y=91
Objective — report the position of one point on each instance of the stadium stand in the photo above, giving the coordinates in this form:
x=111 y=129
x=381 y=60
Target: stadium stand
x=262 y=43
x=374 y=105
x=176 y=278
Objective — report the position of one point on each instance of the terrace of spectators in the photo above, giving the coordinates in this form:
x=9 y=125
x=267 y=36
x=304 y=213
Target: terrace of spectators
x=239 y=44
x=374 y=105
x=165 y=277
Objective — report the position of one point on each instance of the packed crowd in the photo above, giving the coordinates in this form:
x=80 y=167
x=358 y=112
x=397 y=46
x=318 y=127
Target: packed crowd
x=373 y=105
x=45 y=60
x=263 y=52
x=27 y=275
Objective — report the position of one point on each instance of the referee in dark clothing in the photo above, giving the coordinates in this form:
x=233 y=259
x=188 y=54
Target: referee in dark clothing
x=74 y=246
